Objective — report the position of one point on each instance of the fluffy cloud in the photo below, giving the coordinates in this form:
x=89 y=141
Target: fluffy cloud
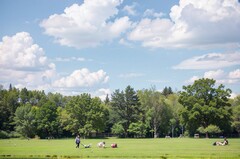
x=149 y=31
x=82 y=78
x=24 y=63
x=130 y=9
x=210 y=61
x=19 y=52
x=102 y=93
x=87 y=25
x=192 y=24
x=192 y=79
x=218 y=74
x=152 y=13
x=235 y=74
x=215 y=63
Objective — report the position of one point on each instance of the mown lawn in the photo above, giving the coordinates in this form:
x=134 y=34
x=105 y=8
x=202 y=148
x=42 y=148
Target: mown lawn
x=127 y=148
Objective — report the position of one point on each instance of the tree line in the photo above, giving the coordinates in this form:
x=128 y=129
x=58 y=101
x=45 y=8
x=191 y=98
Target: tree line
x=201 y=108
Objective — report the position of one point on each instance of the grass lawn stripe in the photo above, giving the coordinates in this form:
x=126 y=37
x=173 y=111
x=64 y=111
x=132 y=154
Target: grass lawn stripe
x=127 y=148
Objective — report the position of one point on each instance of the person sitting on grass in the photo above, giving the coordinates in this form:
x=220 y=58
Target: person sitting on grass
x=218 y=143
x=101 y=144
x=114 y=145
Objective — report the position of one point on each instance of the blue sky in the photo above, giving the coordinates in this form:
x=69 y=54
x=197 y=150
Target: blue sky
x=98 y=46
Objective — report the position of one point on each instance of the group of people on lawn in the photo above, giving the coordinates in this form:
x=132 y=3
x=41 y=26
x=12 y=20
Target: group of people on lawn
x=114 y=145
x=100 y=144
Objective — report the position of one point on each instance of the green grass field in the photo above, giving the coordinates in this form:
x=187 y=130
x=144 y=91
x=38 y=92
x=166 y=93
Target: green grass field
x=127 y=148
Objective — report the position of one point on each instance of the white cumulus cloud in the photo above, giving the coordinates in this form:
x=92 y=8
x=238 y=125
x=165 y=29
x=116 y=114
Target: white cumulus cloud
x=130 y=9
x=19 y=52
x=82 y=78
x=210 y=61
x=152 y=13
x=192 y=24
x=88 y=24
x=24 y=63
x=218 y=74
x=102 y=93
x=192 y=79
x=235 y=74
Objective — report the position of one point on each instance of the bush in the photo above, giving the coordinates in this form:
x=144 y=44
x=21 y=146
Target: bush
x=4 y=135
x=14 y=134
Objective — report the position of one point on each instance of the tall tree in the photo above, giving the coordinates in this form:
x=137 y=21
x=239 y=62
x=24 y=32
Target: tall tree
x=167 y=91
x=24 y=96
x=157 y=110
x=236 y=114
x=107 y=100
x=98 y=114
x=4 y=110
x=25 y=121
x=126 y=105
x=9 y=104
x=47 y=120
x=204 y=105
x=84 y=115
x=172 y=101
x=57 y=98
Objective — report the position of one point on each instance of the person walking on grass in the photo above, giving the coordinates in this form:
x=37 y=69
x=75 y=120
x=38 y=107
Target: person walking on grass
x=77 y=140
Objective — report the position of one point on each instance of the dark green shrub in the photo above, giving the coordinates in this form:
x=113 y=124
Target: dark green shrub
x=4 y=135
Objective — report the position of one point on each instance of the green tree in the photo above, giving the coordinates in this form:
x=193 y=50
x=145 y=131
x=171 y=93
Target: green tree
x=35 y=96
x=157 y=111
x=4 y=111
x=211 y=129
x=99 y=114
x=126 y=105
x=236 y=118
x=204 y=105
x=65 y=120
x=85 y=115
x=173 y=123
x=57 y=98
x=107 y=100
x=25 y=121
x=175 y=106
x=38 y=98
x=236 y=114
x=118 y=129
x=47 y=120
x=9 y=101
x=24 y=96
x=167 y=91
x=138 y=129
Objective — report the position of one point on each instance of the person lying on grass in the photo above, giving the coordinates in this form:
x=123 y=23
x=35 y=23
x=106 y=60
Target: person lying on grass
x=218 y=143
x=87 y=146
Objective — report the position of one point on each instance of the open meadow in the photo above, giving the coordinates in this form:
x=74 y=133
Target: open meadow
x=127 y=148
